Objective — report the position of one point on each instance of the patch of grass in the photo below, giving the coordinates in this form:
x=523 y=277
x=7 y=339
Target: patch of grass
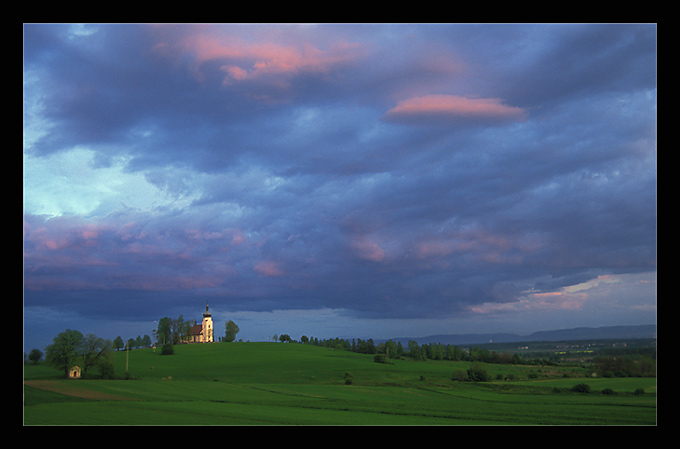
x=35 y=396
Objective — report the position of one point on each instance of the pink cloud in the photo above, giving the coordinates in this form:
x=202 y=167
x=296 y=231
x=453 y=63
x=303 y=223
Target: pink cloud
x=368 y=250
x=237 y=237
x=268 y=269
x=243 y=60
x=234 y=72
x=62 y=234
x=69 y=254
x=451 y=108
x=559 y=300
x=544 y=302
x=485 y=244
x=90 y=233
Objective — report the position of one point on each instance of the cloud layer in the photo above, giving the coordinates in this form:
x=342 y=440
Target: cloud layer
x=391 y=171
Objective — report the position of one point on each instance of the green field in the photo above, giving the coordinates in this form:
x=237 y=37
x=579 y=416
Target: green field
x=294 y=384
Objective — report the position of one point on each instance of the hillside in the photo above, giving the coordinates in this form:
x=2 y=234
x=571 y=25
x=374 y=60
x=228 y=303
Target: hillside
x=580 y=333
x=245 y=363
x=295 y=384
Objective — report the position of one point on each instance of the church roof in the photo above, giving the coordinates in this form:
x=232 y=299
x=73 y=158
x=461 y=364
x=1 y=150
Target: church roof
x=196 y=329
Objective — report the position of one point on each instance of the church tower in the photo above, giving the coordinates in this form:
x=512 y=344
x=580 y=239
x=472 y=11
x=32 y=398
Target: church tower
x=207 y=326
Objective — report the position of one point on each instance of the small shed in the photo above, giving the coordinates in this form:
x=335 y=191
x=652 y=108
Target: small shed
x=74 y=372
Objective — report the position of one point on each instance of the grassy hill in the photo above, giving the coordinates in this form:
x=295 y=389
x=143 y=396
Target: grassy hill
x=274 y=383
x=243 y=362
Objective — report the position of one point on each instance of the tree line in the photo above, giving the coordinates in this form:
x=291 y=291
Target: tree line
x=131 y=343
x=426 y=351
x=625 y=366
x=619 y=365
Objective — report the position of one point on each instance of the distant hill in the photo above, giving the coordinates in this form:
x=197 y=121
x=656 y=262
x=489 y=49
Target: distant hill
x=579 y=333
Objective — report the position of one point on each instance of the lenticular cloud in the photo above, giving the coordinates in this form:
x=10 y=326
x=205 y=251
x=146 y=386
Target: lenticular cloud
x=451 y=108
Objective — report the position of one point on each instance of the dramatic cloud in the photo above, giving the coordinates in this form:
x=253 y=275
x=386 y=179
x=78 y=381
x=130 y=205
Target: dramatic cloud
x=386 y=177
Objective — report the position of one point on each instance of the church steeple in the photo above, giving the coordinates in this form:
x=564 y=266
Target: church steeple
x=207 y=326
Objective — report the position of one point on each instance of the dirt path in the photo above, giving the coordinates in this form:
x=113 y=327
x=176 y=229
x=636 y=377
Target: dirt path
x=71 y=389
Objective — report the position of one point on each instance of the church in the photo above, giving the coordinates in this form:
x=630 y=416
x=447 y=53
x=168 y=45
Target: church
x=202 y=333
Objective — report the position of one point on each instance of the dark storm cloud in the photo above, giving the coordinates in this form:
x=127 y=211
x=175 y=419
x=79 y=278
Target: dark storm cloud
x=397 y=171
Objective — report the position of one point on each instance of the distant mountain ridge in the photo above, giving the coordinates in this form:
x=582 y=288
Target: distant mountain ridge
x=579 y=333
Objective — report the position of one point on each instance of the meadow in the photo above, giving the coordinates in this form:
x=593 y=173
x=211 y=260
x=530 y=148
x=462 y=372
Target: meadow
x=295 y=384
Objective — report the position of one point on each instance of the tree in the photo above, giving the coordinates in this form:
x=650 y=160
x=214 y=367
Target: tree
x=96 y=352
x=65 y=349
x=173 y=331
x=391 y=350
x=164 y=330
x=454 y=353
x=185 y=328
x=231 y=329
x=621 y=366
x=35 y=355
x=646 y=366
x=118 y=343
x=415 y=351
x=285 y=338
x=179 y=329
x=435 y=351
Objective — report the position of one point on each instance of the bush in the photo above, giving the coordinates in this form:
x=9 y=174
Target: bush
x=380 y=358
x=639 y=391
x=349 y=379
x=477 y=373
x=581 y=388
x=459 y=375
x=106 y=368
x=608 y=391
x=168 y=349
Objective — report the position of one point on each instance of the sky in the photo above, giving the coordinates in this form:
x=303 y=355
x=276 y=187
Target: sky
x=338 y=180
